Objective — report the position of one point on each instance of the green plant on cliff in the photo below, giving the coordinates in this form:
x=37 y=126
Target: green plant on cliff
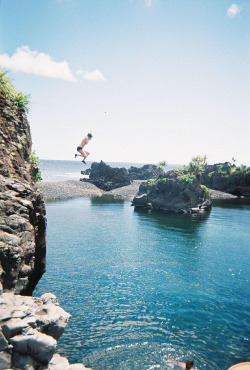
x=204 y=189
x=21 y=101
x=163 y=181
x=7 y=89
x=150 y=182
x=36 y=173
x=187 y=179
x=160 y=166
x=198 y=165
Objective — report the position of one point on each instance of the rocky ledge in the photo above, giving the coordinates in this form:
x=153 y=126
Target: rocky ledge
x=174 y=193
x=29 y=331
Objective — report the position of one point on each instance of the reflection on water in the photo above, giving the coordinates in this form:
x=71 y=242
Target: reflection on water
x=144 y=288
x=172 y=221
x=106 y=199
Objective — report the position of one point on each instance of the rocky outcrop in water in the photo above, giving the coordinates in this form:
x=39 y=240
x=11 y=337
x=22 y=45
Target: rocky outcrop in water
x=29 y=330
x=106 y=177
x=227 y=178
x=148 y=171
x=22 y=209
x=175 y=193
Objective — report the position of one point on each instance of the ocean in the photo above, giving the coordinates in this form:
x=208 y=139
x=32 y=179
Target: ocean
x=60 y=170
x=145 y=288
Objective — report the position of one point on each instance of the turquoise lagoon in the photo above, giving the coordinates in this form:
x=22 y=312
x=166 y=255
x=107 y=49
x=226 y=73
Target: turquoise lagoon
x=145 y=288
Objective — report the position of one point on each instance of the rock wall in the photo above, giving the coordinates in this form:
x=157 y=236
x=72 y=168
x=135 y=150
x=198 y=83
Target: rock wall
x=22 y=209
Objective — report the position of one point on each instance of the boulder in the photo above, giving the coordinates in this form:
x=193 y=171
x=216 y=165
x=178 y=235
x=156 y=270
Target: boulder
x=61 y=363
x=29 y=330
x=3 y=342
x=5 y=360
x=106 y=177
x=175 y=193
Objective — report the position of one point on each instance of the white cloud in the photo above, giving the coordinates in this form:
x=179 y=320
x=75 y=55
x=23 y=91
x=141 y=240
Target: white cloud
x=148 y=2
x=95 y=75
x=33 y=62
x=233 y=11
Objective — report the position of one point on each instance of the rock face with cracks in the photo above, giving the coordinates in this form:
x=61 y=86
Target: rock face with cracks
x=22 y=209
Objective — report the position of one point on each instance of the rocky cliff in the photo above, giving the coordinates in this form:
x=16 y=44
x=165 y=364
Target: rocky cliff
x=22 y=209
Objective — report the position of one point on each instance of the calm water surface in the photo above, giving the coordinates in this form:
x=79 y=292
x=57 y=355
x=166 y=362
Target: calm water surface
x=144 y=288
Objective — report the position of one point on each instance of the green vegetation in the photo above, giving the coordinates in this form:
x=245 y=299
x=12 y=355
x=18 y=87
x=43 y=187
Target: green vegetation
x=198 y=165
x=203 y=172
x=7 y=89
x=187 y=179
x=163 y=181
x=205 y=189
x=150 y=182
x=161 y=166
x=36 y=173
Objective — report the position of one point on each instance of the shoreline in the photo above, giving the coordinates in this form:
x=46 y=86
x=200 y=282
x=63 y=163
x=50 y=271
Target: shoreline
x=63 y=190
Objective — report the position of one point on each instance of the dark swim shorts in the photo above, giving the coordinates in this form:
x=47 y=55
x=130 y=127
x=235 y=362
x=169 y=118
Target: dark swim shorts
x=79 y=148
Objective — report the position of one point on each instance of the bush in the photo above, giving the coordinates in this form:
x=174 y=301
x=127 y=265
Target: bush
x=187 y=179
x=205 y=190
x=150 y=182
x=36 y=173
x=7 y=89
x=21 y=101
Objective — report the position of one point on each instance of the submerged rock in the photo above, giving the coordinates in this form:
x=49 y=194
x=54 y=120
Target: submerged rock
x=174 y=193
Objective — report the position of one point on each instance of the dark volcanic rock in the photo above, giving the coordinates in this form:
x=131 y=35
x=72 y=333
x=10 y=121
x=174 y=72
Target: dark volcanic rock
x=148 y=171
x=108 y=178
x=173 y=193
x=22 y=209
x=227 y=178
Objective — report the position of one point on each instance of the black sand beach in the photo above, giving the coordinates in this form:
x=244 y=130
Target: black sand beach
x=53 y=191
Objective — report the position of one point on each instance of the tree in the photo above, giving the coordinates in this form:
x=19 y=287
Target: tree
x=198 y=165
x=161 y=166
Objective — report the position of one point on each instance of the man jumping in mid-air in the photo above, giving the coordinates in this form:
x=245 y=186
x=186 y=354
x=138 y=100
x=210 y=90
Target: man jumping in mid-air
x=80 y=149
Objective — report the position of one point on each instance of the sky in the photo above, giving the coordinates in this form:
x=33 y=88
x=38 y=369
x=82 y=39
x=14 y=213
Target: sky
x=152 y=80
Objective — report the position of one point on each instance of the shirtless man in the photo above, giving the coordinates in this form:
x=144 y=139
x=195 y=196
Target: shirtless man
x=182 y=365
x=80 y=149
